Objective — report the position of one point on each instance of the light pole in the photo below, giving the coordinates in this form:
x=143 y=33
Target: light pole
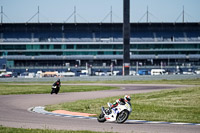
x=126 y=37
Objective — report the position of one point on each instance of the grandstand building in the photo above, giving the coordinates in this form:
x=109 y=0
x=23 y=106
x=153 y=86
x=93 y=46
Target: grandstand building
x=63 y=45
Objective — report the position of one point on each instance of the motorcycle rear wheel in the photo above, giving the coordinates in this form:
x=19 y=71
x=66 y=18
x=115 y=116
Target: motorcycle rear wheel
x=123 y=116
x=101 y=118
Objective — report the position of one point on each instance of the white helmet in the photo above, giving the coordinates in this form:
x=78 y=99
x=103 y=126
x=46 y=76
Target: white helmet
x=127 y=98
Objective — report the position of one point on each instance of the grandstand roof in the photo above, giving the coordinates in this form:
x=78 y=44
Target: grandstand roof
x=152 y=24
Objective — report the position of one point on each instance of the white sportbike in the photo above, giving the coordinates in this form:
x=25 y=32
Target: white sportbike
x=119 y=114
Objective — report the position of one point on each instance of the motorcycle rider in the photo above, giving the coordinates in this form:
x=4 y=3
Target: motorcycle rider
x=118 y=111
x=56 y=87
x=121 y=101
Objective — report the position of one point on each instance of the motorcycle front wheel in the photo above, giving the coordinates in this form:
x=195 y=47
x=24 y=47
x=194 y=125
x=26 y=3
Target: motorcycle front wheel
x=101 y=118
x=123 y=116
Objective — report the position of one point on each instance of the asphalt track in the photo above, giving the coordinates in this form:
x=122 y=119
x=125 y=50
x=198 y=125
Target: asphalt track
x=14 y=112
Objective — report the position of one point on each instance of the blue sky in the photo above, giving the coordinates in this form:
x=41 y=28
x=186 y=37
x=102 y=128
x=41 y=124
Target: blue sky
x=96 y=10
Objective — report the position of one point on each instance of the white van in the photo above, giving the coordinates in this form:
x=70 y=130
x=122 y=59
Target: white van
x=158 y=71
x=197 y=71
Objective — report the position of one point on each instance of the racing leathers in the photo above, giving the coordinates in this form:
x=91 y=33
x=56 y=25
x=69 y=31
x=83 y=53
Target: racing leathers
x=121 y=101
x=56 y=87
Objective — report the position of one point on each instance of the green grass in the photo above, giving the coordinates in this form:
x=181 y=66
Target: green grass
x=164 y=81
x=6 y=89
x=21 y=130
x=179 y=105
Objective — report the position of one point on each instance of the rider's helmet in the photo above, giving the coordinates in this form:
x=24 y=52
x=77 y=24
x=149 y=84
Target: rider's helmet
x=127 y=98
x=58 y=81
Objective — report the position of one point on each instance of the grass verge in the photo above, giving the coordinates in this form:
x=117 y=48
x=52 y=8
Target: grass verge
x=163 y=81
x=21 y=130
x=6 y=89
x=179 y=105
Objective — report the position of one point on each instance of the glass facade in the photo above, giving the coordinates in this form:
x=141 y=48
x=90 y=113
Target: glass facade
x=166 y=46
x=57 y=44
x=98 y=49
